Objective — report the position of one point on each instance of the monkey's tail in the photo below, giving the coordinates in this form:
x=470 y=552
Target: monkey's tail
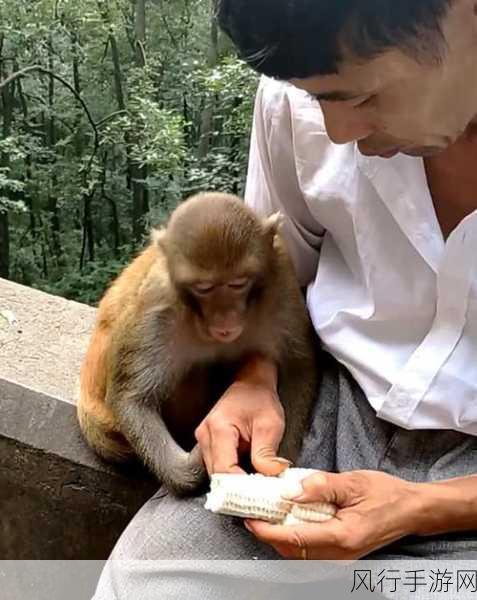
x=99 y=429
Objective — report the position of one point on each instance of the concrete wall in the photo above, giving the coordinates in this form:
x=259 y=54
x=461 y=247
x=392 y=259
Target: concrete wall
x=57 y=499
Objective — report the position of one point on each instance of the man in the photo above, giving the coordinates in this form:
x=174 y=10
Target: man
x=379 y=193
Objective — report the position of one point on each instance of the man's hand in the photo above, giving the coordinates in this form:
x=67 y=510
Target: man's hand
x=374 y=509
x=248 y=418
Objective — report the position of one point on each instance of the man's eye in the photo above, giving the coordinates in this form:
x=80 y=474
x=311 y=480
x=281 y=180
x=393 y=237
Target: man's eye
x=363 y=102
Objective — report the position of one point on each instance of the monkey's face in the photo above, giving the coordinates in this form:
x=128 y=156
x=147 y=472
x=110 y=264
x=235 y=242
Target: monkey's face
x=396 y=102
x=219 y=308
x=220 y=259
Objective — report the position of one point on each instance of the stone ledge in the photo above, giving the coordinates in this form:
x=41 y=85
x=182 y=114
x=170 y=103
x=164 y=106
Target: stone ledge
x=57 y=499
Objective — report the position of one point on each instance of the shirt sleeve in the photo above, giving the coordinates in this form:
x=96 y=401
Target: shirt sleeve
x=272 y=182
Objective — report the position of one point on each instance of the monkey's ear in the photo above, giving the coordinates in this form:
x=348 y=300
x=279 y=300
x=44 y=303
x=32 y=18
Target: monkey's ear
x=158 y=237
x=273 y=224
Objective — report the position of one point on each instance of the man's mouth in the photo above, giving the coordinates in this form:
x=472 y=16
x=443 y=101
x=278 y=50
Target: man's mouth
x=385 y=153
x=389 y=153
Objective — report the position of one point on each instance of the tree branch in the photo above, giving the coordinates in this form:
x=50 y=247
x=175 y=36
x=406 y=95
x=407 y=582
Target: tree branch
x=142 y=52
x=107 y=118
x=42 y=70
x=167 y=27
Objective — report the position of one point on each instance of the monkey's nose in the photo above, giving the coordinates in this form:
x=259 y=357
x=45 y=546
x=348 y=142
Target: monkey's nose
x=225 y=335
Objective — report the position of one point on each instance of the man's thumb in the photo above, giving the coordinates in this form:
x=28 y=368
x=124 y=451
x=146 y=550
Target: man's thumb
x=335 y=488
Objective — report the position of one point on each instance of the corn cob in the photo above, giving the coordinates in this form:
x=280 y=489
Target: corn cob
x=259 y=497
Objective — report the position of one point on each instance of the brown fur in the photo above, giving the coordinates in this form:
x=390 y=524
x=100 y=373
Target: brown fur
x=149 y=363
x=96 y=419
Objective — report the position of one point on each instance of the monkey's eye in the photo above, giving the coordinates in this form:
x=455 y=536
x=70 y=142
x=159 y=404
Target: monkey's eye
x=238 y=284
x=203 y=288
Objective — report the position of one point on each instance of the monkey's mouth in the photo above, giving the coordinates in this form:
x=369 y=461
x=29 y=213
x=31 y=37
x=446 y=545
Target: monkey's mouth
x=225 y=335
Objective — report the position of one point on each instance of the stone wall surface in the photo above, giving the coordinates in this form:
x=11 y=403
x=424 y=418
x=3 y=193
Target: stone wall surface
x=57 y=499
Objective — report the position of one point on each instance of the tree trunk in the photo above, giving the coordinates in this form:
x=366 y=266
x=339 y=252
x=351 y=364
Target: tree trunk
x=6 y=109
x=4 y=245
x=88 y=228
x=140 y=29
x=112 y=204
x=118 y=85
x=234 y=151
x=140 y=173
x=28 y=164
x=207 y=116
x=79 y=142
x=118 y=78
x=135 y=174
x=51 y=141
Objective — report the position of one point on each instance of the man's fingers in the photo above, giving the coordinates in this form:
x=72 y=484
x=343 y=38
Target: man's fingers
x=308 y=535
x=202 y=435
x=288 y=538
x=330 y=540
x=224 y=445
x=266 y=438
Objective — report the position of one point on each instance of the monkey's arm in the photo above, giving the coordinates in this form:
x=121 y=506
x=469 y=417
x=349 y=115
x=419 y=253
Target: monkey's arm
x=297 y=391
x=258 y=368
x=299 y=373
x=181 y=472
x=141 y=380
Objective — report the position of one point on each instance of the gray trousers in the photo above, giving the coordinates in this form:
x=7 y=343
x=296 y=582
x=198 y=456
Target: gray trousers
x=344 y=435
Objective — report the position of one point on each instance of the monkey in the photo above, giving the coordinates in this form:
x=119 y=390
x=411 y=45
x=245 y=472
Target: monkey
x=214 y=286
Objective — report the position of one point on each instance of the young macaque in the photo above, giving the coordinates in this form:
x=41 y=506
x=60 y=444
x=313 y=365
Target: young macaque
x=213 y=288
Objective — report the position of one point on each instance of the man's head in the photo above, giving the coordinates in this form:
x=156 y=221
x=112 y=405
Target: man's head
x=396 y=75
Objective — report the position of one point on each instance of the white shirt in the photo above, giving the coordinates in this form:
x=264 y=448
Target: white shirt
x=388 y=296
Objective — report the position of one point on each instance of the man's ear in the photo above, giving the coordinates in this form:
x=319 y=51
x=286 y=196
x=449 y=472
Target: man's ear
x=273 y=224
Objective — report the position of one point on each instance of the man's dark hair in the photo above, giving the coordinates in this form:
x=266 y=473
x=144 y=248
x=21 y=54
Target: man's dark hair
x=301 y=38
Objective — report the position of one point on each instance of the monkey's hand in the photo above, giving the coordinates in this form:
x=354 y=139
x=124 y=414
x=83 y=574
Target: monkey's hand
x=248 y=418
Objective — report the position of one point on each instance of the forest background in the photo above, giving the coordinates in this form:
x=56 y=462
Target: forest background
x=112 y=112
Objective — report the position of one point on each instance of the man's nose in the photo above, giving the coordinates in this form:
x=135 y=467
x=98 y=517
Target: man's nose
x=345 y=125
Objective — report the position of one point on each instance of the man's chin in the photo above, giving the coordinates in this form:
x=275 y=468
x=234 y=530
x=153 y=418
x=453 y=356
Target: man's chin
x=414 y=151
x=423 y=152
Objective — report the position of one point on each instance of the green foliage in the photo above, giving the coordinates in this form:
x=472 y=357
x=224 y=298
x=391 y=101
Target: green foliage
x=71 y=187
x=232 y=85
x=86 y=286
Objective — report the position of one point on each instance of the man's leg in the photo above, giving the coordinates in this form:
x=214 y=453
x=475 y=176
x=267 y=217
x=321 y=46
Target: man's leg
x=170 y=529
x=166 y=528
x=417 y=455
